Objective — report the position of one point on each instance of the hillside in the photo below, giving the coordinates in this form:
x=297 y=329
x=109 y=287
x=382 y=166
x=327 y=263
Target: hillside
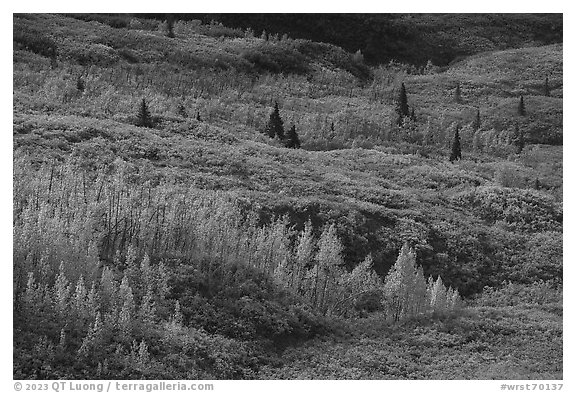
x=409 y=38
x=90 y=185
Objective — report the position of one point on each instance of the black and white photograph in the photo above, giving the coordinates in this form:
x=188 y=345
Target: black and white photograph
x=287 y=196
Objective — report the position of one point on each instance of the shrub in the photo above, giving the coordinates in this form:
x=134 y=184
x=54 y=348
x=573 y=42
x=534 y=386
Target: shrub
x=34 y=42
x=514 y=294
x=276 y=59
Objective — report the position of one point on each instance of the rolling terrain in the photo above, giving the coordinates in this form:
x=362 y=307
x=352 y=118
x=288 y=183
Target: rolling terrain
x=90 y=185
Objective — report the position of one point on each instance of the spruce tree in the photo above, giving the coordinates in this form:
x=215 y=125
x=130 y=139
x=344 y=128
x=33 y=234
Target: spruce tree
x=275 y=125
x=458 y=94
x=80 y=84
x=198 y=116
x=402 y=109
x=144 y=119
x=477 y=123
x=456 y=153
x=170 y=26
x=521 y=107
x=546 y=88
x=292 y=140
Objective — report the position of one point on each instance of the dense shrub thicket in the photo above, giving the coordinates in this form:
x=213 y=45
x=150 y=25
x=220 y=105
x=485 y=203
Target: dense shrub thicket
x=107 y=270
x=195 y=247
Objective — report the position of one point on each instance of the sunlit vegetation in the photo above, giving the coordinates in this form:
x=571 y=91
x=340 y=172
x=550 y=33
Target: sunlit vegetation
x=195 y=201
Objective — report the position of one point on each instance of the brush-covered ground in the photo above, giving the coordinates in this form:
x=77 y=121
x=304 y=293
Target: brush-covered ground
x=490 y=224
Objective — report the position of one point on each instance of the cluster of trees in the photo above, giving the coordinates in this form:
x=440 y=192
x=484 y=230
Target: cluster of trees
x=406 y=118
x=275 y=129
x=94 y=266
x=58 y=218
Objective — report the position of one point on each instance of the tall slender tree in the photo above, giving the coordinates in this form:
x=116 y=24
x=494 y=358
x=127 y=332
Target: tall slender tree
x=170 y=26
x=456 y=153
x=275 y=125
x=477 y=123
x=521 y=107
x=80 y=84
x=457 y=94
x=546 y=88
x=402 y=109
x=144 y=119
x=292 y=140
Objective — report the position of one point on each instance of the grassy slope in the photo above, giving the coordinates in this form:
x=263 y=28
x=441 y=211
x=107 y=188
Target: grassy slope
x=380 y=197
x=493 y=83
x=483 y=343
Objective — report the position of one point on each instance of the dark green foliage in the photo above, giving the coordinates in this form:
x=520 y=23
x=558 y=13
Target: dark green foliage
x=410 y=38
x=170 y=26
x=546 y=88
x=456 y=151
x=457 y=94
x=144 y=119
x=521 y=107
x=402 y=109
x=275 y=126
x=117 y=21
x=35 y=42
x=198 y=116
x=292 y=140
x=80 y=84
x=477 y=123
x=276 y=58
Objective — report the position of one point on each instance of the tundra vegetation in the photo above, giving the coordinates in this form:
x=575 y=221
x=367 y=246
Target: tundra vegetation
x=196 y=201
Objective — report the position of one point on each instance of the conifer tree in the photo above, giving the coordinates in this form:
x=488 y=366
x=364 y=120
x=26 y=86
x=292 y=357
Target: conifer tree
x=198 y=116
x=412 y=114
x=292 y=140
x=521 y=107
x=477 y=123
x=170 y=26
x=456 y=152
x=457 y=94
x=80 y=84
x=546 y=88
x=144 y=119
x=402 y=105
x=275 y=125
